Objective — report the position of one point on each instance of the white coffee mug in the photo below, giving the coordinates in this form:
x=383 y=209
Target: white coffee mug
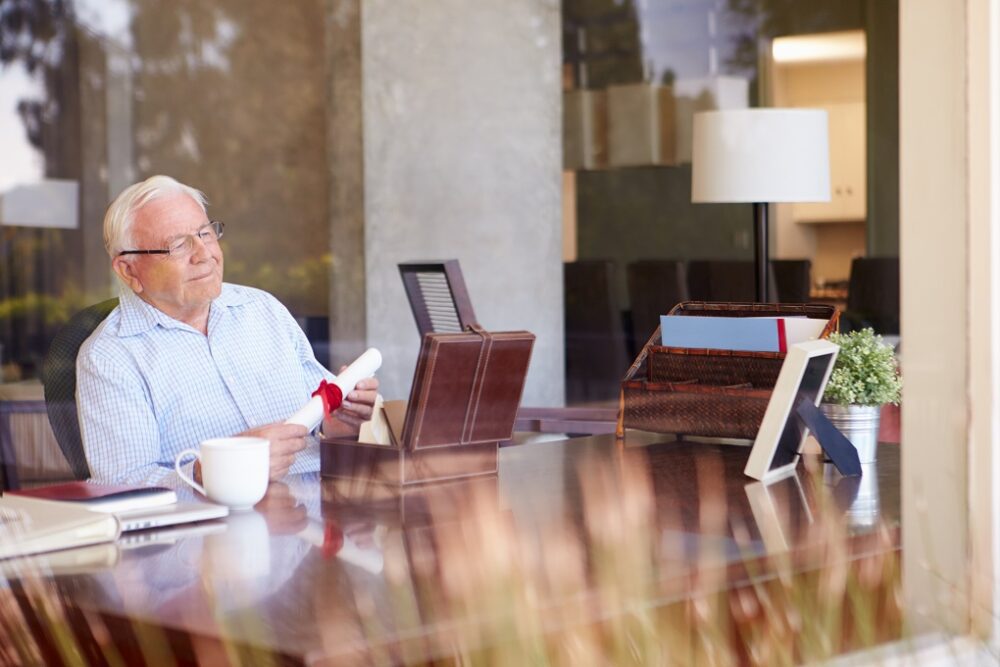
x=242 y=552
x=234 y=471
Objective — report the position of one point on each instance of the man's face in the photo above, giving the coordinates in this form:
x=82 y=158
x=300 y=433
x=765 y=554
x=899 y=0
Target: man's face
x=178 y=286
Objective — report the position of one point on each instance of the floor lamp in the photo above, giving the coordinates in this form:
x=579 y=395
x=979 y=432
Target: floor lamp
x=760 y=156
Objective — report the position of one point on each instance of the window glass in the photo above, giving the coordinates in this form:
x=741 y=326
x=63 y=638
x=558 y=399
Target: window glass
x=635 y=73
x=228 y=97
x=231 y=96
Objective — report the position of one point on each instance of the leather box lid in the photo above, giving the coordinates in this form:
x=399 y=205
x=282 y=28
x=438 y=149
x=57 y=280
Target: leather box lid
x=466 y=388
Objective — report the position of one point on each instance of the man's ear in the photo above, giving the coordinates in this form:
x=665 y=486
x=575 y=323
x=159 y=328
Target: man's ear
x=125 y=271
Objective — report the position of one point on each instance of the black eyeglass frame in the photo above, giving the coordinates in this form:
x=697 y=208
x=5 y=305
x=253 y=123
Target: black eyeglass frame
x=211 y=223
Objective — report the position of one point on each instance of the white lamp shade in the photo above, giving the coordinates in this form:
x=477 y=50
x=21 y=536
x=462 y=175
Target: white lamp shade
x=760 y=155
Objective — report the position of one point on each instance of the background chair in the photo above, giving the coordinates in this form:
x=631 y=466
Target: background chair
x=732 y=280
x=726 y=280
x=698 y=280
x=59 y=378
x=654 y=287
x=9 y=478
x=792 y=279
x=873 y=295
x=437 y=294
x=596 y=353
x=29 y=452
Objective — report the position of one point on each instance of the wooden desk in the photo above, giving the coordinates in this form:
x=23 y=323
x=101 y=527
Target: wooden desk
x=576 y=546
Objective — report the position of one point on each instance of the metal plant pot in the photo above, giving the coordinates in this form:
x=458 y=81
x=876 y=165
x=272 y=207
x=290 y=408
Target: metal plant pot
x=859 y=424
x=858 y=495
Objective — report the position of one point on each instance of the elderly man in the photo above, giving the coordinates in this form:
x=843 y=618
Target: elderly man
x=185 y=357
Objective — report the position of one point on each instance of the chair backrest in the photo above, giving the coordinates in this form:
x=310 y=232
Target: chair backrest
x=59 y=379
x=654 y=287
x=873 y=294
x=596 y=352
x=727 y=280
x=697 y=280
x=792 y=278
x=437 y=295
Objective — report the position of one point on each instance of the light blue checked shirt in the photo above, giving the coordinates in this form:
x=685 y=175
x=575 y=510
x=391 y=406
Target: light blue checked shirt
x=149 y=386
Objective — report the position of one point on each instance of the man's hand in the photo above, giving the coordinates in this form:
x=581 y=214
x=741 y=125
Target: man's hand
x=287 y=440
x=357 y=406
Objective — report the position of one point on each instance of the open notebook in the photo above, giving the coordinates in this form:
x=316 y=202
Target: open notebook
x=32 y=525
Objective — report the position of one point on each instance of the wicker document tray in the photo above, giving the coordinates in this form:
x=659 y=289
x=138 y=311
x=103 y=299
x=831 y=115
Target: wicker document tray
x=718 y=393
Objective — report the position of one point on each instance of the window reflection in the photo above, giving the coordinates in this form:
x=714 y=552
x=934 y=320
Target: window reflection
x=635 y=73
x=94 y=95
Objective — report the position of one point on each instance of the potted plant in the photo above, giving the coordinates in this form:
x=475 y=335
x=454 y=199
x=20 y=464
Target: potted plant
x=865 y=377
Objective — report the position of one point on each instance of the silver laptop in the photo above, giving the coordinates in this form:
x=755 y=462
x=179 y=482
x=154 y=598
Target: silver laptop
x=169 y=515
x=169 y=535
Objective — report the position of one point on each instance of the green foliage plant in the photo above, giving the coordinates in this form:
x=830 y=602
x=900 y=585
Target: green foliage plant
x=866 y=372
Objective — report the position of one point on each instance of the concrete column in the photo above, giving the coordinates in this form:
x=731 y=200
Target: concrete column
x=345 y=144
x=462 y=159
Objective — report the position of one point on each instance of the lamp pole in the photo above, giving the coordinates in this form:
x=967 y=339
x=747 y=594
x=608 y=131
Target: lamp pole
x=760 y=250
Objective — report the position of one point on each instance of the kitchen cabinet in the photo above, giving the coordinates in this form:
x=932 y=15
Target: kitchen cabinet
x=848 y=194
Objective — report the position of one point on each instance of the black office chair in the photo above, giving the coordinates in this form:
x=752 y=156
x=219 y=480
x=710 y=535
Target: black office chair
x=59 y=380
x=873 y=295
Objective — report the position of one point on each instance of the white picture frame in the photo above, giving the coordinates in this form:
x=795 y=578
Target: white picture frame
x=779 y=441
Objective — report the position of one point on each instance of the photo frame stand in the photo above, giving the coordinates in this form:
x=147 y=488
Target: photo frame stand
x=835 y=445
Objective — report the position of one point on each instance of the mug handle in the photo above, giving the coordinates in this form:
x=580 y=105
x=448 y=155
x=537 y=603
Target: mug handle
x=187 y=480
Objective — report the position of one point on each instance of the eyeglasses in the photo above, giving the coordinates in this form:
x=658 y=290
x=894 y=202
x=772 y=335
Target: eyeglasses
x=183 y=246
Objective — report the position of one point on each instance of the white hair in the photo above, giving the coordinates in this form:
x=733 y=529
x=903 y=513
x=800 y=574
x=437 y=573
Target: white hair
x=121 y=213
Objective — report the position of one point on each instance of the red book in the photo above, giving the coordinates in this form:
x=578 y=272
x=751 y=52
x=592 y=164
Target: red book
x=103 y=497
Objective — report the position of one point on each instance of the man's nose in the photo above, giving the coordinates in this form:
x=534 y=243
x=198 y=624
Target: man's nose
x=199 y=251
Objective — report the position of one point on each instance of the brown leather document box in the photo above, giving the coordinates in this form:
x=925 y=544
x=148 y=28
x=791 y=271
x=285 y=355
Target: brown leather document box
x=463 y=402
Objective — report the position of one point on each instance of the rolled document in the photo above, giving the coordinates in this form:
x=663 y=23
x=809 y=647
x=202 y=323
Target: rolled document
x=330 y=395
x=310 y=415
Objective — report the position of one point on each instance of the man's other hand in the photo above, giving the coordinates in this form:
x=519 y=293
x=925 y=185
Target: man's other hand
x=286 y=440
x=358 y=405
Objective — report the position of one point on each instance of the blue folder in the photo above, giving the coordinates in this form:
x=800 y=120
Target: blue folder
x=755 y=334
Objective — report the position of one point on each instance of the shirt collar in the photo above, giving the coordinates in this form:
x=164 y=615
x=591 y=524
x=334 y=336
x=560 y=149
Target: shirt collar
x=137 y=316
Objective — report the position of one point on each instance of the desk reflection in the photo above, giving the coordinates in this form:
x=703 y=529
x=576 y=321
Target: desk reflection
x=585 y=550
x=857 y=496
x=778 y=519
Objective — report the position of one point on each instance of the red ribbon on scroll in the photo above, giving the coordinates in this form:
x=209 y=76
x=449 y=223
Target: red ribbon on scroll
x=331 y=395
x=333 y=540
